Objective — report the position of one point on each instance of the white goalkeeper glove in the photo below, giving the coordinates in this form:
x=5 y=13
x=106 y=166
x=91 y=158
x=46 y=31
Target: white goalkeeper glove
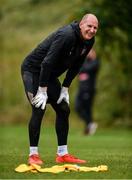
x=40 y=99
x=64 y=95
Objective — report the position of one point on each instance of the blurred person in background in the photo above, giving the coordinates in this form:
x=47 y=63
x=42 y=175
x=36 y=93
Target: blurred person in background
x=63 y=50
x=86 y=92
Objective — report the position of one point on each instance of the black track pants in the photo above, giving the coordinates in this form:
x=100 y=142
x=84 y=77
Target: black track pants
x=84 y=106
x=31 y=83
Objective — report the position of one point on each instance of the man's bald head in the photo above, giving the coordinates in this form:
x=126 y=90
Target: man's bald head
x=88 y=26
x=86 y=17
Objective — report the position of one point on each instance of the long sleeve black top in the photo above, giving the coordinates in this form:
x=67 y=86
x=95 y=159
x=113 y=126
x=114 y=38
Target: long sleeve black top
x=88 y=74
x=61 y=51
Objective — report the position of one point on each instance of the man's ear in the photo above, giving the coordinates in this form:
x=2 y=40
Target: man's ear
x=80 y=24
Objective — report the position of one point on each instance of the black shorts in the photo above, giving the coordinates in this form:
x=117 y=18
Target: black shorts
x=31 y=83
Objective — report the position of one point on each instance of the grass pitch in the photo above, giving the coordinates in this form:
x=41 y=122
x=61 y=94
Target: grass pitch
x=108 y=146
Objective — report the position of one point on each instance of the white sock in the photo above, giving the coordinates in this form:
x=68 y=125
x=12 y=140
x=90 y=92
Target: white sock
x=33 y=150
x=62 y=150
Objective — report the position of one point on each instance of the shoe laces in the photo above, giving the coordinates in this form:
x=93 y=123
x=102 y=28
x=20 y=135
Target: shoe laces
x=71 y=156
x=36 y=156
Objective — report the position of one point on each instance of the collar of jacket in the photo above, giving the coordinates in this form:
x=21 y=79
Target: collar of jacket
x=76 y=28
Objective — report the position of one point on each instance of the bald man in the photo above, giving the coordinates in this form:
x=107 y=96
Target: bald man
x=62 y=51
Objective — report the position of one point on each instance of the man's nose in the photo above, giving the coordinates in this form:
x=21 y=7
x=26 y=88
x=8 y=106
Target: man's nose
x=92 y=29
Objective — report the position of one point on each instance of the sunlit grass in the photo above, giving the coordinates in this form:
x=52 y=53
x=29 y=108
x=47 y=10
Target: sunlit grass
x=110 y=147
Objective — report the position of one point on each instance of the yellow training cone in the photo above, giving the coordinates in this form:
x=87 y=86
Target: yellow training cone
x=60 y=168
x=23 y=168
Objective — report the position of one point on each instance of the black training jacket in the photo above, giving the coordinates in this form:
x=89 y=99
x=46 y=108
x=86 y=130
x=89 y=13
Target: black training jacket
x=61 y=51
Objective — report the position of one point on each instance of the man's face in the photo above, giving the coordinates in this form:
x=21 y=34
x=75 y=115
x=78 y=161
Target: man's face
x=88 y=27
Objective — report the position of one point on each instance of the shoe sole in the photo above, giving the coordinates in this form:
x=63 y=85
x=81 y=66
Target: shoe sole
x=70 y=162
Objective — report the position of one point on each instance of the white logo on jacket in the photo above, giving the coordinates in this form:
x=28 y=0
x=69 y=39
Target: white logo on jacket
x=83 y=51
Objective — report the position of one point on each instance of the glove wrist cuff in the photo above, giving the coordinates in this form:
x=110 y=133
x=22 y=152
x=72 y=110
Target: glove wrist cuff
x=64 y=88
x=42 y=89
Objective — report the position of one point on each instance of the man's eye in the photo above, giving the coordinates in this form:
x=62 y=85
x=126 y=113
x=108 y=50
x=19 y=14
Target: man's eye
x=89 y=26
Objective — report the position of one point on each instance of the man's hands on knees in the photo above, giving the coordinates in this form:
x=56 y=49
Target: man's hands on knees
x=41 y=98
x=64 y=95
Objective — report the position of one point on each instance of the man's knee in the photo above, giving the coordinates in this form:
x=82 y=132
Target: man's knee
x=64 y=108
x=37 y=113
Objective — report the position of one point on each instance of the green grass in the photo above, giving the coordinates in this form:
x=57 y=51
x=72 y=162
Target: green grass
x=110 y=147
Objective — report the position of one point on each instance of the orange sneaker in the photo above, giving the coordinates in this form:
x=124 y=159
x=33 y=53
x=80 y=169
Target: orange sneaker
x=35 y=159
x=67 y=158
